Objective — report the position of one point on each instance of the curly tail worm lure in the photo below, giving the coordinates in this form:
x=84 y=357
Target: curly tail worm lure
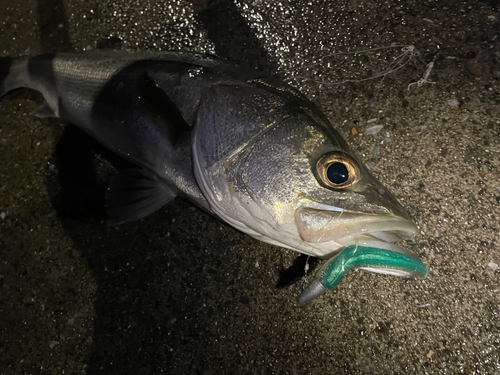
x=374 y=256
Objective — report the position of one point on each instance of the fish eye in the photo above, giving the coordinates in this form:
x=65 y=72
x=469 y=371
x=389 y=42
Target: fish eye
x=337 y=173
x=337 y=170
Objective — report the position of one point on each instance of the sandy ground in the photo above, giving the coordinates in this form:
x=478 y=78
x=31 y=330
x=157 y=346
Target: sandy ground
x=181 y=292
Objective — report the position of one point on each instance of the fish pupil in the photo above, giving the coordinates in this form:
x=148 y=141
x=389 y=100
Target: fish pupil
x=337 y=173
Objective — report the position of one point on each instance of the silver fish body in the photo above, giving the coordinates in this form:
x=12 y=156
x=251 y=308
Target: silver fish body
x=101 y=94
x=250 y=149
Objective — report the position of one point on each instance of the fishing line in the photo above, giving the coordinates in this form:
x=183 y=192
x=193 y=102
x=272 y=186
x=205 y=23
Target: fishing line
x=409 y=54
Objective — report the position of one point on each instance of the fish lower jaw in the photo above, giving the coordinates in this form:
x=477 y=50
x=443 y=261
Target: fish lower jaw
x=385 y=240
x=369 y=241
x=380 y=236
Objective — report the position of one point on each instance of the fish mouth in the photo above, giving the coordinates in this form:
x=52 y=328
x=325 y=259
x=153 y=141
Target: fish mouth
x=356 y=240
x=344 y=228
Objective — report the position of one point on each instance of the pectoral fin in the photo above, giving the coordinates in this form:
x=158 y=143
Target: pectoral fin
x=134 y=194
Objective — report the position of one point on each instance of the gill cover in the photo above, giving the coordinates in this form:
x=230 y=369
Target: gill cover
x=247 y=152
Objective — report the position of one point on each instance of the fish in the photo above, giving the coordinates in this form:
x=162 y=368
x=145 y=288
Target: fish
x=242 y=145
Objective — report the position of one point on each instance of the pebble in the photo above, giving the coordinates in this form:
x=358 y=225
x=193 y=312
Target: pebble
x=53 y=343
x=493 y=110
x=464 y=117
x=372 y=102
x=493 y=266
x=374 y=129
x=473 y=67
x=454 y=103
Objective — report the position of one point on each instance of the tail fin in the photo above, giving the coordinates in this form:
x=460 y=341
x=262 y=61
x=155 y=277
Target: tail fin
x=5 y=65
x=29 y=73
x=14 y=74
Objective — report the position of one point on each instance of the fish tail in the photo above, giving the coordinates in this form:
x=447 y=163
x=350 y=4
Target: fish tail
x=32 y=73
x=13 y=74
x=5 y=65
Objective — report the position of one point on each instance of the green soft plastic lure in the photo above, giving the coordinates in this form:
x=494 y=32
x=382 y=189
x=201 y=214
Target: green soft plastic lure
x=374 y=256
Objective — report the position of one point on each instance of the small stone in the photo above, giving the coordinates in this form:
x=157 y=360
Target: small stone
x=374 y=129
x=453 y=103
x=493 y=110
x=473 y=67
x=493 y=266
x=53 y=343
x=463 y=117
x=429 y=355
x=423 y=128
x=2 y=215
x=354 y=131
